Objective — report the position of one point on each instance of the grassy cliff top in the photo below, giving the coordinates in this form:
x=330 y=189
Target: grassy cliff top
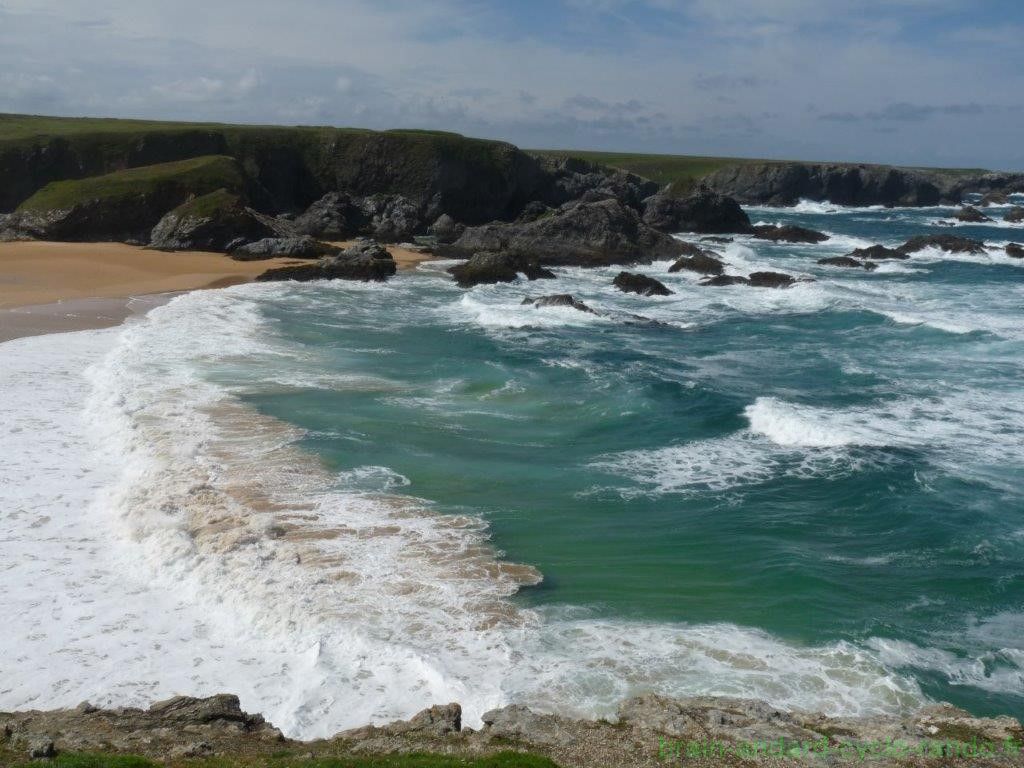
x=198 y=174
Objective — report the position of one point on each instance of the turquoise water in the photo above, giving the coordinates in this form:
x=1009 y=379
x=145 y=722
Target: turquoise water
x=837 y=463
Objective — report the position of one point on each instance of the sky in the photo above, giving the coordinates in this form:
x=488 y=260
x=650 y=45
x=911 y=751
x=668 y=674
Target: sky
x=913 y=82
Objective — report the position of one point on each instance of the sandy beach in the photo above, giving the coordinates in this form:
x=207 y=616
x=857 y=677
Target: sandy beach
x=48 y=287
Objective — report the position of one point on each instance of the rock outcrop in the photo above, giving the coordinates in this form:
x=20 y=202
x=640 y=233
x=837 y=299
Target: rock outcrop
x=704 y=263
x=847 y=261
x=788 y=233
x=446 y=230
x=877 y=253
x=559 y=300
x=335 y=216
x=719 y=281
x=631 y=282
x=950 y=243
x=971 y=215
x=1015 y=215
x=304 y=247
x=498 y=267
x=1015 y=250
x=994 y=198
x=705 y=212
x=364 y=261
x=582 y=234
x=212 y=222
x=771 y=280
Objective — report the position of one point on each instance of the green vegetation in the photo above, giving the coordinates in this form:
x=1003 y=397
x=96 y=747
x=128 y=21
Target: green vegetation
x=196 y=175
x=680 y=171
x=207 y=205
x=500 y=760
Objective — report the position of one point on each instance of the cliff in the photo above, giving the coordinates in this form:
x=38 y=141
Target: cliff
x=773 y=183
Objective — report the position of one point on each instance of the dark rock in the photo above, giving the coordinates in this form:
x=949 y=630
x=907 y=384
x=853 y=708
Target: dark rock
x=575 y=179
x=950 y=243
x=498 y=267
x=723 y=280
x=1015 y=215
x=533 y=211
x=213 y=222
x=393 y=218
x=788 y=233
x=1015 y=250
x=721 y=240
x=703 y=212
x=363 y=261
x=703 y=263
x=559 y=300
x=877 y=253
x=771 y=280
x=446 y=229
x=304 y=247
x=971 y=214
x=439 y=720
x=630 y=282
x=587 y=234
x=335 y=216
x=846 y=261
x=994 y=198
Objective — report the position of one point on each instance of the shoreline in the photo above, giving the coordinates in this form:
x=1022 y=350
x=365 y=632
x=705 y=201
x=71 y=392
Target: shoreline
x=56 y=287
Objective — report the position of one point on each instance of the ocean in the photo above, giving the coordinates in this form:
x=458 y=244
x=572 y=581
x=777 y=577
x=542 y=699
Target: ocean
x=346 y=502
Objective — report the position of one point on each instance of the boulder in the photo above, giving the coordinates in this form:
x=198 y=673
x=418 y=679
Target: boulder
x=559 y=300
x=498 y=267
x=1015 y=215
x=771 y=280
x=392 y=218
x=364 y=261
x=576 y=179
x=437 y=721
x=877 y=253
x=704 y=212
x=719 y=281
x=971 y=215
x=446 y=229
x=994 y=198
x=335 y=216
x=584 y=234
x=846 y=261
x=788 y=233
x=1015 y=250
x=630 y=282
x=304 y=247
x=950 y=243
x=703 y=263
x=533 y=211
x=211 y=222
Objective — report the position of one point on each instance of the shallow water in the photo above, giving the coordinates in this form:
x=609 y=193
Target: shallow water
x=813 y=496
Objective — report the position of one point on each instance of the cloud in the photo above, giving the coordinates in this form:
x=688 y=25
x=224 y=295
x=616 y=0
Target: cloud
x=905 y=112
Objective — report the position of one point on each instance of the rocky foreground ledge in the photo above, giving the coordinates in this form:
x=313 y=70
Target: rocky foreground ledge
x=649 y=730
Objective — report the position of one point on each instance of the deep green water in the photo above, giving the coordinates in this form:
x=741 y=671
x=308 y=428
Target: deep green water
x=837 y=463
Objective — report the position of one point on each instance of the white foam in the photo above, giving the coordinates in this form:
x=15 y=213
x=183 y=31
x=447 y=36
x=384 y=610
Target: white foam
x=178 y=543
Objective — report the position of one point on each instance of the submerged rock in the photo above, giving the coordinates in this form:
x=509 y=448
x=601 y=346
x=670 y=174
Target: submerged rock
x=994 y=198
x=950 y=243
x=1015 y=250
x=789 y=233
x=559 y=300
x=846 y=261
x=583 y=234
x=304 y=247
x=971 y=214
x=703 y=212
x=877 y=253
x=720 y=281
x=630 y=282
x=771 y=280
x=363 y=261
x=498 y=267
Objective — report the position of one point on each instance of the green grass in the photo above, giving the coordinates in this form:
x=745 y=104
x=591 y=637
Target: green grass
x=499 y=760
x=207 y=205
x=198 y=175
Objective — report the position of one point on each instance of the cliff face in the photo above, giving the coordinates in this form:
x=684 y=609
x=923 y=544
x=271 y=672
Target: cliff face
x=288 y=168
x=787 y=183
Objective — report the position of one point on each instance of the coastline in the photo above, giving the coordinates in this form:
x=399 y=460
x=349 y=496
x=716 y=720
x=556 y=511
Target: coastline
x=55 y=287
